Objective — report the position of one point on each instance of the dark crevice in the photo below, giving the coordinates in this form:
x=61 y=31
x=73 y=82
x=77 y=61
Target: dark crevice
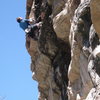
x=60 y=65
x=38 y=4
x=48 y=38
x=86 y=28
x=93 y=38
x=97 y=65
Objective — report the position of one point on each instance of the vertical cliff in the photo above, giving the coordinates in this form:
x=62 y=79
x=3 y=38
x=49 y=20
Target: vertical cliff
x=65 y=57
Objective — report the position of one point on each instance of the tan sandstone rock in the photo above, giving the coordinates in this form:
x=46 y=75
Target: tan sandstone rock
x=95 y=15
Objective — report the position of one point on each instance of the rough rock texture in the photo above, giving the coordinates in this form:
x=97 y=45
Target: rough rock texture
x=95 y=15
x=65 y=59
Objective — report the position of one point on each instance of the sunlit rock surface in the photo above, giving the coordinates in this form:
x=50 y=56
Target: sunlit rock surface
x=95 y=15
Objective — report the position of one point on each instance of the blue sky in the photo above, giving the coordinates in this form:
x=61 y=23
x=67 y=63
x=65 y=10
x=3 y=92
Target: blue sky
x=15 y=76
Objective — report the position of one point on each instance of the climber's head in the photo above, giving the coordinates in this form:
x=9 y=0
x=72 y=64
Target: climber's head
x=19 y=19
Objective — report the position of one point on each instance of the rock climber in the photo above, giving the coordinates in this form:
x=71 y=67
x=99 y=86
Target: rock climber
x=31 y=27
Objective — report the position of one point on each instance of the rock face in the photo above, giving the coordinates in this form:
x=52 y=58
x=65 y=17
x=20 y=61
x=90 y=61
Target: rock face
x=95 y=15
x=65 y=59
